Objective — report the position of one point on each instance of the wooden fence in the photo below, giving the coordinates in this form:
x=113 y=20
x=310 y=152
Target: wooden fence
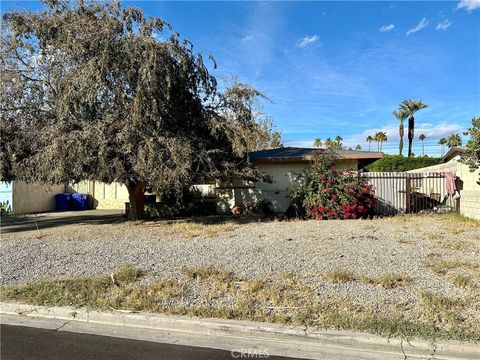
x=399 y=192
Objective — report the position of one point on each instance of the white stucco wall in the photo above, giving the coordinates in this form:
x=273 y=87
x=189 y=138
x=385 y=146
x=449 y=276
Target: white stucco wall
x=34 y=198
x=470 y=194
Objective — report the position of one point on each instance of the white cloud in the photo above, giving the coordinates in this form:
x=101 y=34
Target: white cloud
x=421 y=25
x=387 y=28
x=307 y=40
x=431 y=132
x=469 y=5
x=248 y=38
x=444 y=25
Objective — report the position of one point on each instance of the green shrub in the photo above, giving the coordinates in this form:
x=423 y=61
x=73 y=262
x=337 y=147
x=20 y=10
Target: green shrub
x=327 y=193
x=400 y=163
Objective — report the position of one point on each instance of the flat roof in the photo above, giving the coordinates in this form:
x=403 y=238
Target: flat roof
x=296 y=154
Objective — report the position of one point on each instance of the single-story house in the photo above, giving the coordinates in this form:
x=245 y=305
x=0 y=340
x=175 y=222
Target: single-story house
x=282 y=165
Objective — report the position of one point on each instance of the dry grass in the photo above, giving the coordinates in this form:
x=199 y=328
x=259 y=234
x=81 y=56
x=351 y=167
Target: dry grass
x=440 y=266
x=464 y=281
x=455 y=245
x=388 y=281
x=439 y=308
x=221 y=294
x=191 y=230
x=339 y=276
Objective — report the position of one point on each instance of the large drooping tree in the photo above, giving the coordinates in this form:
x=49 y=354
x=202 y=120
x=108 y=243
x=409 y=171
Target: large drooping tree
x=410 y=107
x=89 y=93
x=400 y=116
x=240 y=104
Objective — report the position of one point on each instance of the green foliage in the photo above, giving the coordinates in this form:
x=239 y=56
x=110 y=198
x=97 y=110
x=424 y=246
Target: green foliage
x=327 y=193
x=472 y=156
x=5 y=207
x=454 y=140
x=400 y=163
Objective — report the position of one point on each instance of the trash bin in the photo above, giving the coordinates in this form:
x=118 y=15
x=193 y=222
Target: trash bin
x=62 y=202
x=79 y=202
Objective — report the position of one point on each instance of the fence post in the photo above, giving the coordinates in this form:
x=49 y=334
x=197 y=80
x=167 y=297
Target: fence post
x=408 y=187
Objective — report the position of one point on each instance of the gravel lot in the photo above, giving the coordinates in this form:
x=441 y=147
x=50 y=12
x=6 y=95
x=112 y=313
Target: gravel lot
x=307 y=249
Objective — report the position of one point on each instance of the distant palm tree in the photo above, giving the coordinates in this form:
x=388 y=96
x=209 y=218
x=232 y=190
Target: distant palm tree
x=400 y=116
x=358 y=147
x=380 y=137
x=369 y=139
x=454 y=140
x=317 y=143
x=422 y=137
x=442 y=143
x=338 y=143
x=329 y=143
x=383 y=138
x=410 y=107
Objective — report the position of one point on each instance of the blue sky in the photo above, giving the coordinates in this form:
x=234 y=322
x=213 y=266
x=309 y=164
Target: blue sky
x=342 y=67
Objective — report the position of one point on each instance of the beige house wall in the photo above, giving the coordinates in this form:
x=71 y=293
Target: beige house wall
x=470 y=194
x=284 y=176
x=34 y=198
x=103 y=196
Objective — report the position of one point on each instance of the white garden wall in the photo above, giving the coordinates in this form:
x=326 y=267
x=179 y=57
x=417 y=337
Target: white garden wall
x=470 y=194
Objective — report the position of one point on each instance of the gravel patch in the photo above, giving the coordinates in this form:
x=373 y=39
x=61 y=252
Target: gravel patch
x=306 y=249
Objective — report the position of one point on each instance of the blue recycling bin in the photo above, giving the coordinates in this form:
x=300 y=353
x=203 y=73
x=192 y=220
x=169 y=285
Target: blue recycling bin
x=62 y=202
x=79 y=202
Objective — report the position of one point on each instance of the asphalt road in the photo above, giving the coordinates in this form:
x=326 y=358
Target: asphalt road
x=19 y=342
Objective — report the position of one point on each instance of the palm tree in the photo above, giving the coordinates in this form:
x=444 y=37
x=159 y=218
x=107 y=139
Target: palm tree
x=383 y=138
x=369 y=139
x=410 y=107
x=338 y=143
x=380 y=137
x=400 y=116
x=442 y=143
x=317 y=143
x=422 y=137
x=358 y=147
x=454 y=140
x=329 y=143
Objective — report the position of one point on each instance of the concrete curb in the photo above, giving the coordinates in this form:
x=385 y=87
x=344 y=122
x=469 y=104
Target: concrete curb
x=307 y=343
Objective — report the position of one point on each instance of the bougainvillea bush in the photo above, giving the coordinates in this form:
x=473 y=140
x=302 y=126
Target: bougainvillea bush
x=325 y=192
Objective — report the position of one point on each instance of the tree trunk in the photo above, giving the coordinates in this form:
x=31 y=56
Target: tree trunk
x=369 y=145
x=136 y=193
x=401 y=131
x=411 y=129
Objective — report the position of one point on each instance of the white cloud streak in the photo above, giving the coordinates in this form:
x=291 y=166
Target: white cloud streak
x=431 y=131
x=387 y=28
x=444 y=25
x=308 y=40
x=469 y=5
x=421 y=25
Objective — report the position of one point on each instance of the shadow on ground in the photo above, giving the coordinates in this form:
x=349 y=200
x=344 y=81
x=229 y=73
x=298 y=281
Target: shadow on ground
x=15 y=224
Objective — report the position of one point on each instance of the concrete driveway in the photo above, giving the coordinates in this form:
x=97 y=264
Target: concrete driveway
x=10 y=224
